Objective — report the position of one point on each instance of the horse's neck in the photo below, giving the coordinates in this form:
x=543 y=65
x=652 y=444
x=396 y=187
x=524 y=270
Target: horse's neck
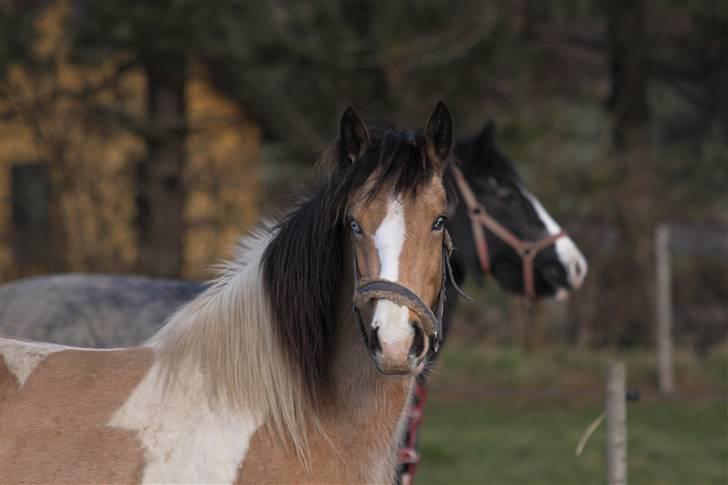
x=356 y=381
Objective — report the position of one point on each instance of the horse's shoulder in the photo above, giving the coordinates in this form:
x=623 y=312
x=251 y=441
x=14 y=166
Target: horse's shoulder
x=56 y=405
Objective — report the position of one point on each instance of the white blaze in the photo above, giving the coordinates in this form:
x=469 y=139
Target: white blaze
x=574 y=262
x=391 y=319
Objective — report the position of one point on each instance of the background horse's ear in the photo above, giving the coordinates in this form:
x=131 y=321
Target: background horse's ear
x=354 y=135
x=486 y=138
x=478 y=151
x=487 y=134
x=438 y=133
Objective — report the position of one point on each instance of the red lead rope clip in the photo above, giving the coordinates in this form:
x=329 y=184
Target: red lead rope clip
x=408 y=456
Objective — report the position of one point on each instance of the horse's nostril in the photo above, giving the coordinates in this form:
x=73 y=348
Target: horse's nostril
x=418 y=341
x=374 y=346
x=577 y=269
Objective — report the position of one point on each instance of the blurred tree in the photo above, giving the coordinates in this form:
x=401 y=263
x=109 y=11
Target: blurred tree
x=635 y=197
x=16 y=31
x=303 y=62
x=160 y=38
x=543 y=69
x=85 y=72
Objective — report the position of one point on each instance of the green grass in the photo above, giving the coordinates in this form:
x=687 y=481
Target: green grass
x=483 y=442
x=571 y=374
x=500 y=416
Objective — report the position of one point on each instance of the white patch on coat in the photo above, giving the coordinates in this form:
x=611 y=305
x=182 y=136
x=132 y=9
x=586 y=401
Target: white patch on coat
x=22 y=357
x=391 y=319
x=573 y=260
x=185 y=440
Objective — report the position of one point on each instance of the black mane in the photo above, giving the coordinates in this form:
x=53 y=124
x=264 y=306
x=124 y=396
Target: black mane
x=304 y=263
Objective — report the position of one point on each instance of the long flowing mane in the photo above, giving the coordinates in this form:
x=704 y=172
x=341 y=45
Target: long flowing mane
x=263 y=334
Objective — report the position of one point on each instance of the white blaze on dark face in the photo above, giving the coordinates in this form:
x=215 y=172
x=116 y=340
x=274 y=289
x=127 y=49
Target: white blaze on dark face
x=571 y=258
x=392 y=320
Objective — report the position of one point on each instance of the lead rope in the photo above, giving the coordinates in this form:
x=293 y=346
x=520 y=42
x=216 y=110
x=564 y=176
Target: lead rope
x=408 y=456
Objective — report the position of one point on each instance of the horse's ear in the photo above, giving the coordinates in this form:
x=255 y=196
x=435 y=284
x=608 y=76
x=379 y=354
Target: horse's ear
x=438 y=133
x=487 y=135
x=485 y=143
x=354 y=135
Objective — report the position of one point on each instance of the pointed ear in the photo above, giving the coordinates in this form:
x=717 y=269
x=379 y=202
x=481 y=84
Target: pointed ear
x=438 y=133
x=486 y=138
x=353 y=136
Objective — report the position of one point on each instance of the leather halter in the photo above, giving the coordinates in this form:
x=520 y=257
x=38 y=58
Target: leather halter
x=366 y=290
x=480 y=220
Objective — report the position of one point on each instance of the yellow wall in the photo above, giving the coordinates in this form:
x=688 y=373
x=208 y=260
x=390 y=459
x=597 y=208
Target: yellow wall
x=52 y=117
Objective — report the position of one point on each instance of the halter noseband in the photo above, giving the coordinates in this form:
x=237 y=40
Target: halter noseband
x=366 y=290
x=480 y=219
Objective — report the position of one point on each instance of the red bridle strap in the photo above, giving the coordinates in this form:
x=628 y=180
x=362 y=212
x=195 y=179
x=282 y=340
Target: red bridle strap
x=481 y=220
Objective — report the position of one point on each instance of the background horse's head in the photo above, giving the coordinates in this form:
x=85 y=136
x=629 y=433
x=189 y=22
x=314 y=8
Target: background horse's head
x=557 y=269
x=396 y=218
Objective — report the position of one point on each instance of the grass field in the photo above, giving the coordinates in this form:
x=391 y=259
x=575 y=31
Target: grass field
x=500 y=416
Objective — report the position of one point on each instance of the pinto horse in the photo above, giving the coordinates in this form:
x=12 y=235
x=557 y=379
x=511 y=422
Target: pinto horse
x=267 y=376
x=112 y=310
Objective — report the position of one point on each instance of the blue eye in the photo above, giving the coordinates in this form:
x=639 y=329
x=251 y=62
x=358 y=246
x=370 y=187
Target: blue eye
x=355 y=227
x=439 y=223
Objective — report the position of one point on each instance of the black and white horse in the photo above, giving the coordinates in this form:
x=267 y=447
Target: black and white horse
x=557 y=268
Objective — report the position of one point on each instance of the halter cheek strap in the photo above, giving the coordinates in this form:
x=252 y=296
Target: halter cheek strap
x=481 y=220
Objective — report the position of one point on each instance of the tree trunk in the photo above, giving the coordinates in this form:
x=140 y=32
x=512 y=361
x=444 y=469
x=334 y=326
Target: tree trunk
x=634 y=196
x=160 y=183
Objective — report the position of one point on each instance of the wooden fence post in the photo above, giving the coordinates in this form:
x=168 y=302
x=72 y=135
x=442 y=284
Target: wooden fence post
x=663 y=301
x=616 y=411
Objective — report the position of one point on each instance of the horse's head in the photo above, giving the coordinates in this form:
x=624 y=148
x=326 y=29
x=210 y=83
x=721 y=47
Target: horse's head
x=558 y=266
x=395 y=216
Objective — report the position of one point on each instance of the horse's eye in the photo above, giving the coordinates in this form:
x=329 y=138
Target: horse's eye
x=355 y=227
x=439 y=223
x=502 y=191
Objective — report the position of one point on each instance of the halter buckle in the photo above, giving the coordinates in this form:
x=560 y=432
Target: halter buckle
x=408 y=456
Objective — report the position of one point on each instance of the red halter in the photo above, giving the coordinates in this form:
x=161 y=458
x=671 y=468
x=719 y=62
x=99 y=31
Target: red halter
x=480 y=219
